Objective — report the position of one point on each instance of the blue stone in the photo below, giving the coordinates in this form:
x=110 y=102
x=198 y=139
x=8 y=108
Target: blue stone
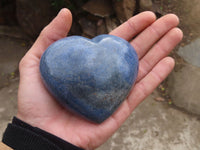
x=91 y=77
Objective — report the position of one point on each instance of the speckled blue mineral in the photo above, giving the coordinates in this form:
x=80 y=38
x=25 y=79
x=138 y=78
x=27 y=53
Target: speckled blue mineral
x=92 y=77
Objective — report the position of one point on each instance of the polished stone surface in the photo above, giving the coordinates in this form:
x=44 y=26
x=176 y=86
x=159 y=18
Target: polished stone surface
x=91 y=77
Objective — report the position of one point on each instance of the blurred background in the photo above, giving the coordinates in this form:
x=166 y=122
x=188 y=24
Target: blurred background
x=169 y=119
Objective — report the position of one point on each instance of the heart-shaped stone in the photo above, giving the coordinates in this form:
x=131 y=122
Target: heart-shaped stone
x=90 y=76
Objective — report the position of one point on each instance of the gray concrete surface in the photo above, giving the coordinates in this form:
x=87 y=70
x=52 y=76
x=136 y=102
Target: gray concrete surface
x=8 y=104
x=191 y=52
x=156 y=126
x=184 y=82
x=184 y=88
x=12 y=49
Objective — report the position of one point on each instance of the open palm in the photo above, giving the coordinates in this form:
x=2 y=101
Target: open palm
x=153 y=40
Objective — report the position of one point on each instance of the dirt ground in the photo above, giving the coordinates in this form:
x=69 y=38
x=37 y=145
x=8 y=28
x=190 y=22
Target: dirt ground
x=189 y=14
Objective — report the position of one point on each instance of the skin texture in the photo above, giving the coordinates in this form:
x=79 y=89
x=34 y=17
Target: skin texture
x=153 y=40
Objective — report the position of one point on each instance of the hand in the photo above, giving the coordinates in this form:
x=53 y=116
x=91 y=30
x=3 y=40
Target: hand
x=153 y=41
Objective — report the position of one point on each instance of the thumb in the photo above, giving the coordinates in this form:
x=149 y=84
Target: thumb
x=57 y=29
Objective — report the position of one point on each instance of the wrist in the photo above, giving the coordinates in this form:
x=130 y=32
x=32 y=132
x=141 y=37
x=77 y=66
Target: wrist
x=32 y=121
x=20 y=135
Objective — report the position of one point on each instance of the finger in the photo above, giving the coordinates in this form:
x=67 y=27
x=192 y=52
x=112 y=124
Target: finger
x=159 y=51
x=57 y=29
x=147 y=85
x=143 y=89
x=134 y=25
x=143 y=42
